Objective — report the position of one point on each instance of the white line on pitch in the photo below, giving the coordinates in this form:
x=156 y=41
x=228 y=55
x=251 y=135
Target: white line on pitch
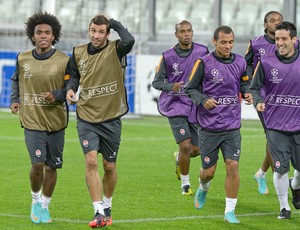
x=154 y=219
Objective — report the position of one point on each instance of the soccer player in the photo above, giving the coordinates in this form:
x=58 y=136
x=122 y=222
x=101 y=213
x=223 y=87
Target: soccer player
x=257 y=48
x=171 y=76
x=278 y=73
x=39 y=94
x=98 y=68
x=216 y=82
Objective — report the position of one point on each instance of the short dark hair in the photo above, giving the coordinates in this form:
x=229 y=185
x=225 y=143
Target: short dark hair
x=43 y=18
x=100 y=20
x=181 y=23
x=224 y=29
x=288 y=26
x=268 y=15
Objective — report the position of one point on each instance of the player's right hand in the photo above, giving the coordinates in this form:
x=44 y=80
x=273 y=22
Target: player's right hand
x=177 y=87
x=71 y=97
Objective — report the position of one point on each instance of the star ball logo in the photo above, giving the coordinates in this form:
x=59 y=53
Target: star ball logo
x=274 y=72
x=176 y=72
x=262 y=51
x=274 y=76
x=215 y=79
x=82 y=67
x=26 y=67
x=27 y=73
x=215 y=72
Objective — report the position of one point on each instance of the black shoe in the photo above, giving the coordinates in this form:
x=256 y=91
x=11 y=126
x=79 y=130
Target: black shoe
x=187 y=190
x=284 y=214
x=296 y=195
x=107 y=213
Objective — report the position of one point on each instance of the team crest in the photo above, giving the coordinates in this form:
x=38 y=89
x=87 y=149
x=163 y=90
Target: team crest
x=182 y=132
x=38 y=153
x=85 y=143
x=207 y=160
x=277 y=164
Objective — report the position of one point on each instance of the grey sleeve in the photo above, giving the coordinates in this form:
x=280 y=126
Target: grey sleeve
x=60 y=94
x=14 y=96
x=257 y=83
x=160 y=81
x=249 y=58
x=127 y=40
x=194 y=88
x=75 y=75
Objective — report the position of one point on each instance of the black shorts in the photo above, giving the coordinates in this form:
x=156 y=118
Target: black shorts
x=182 y=130
x=285 y=149
x=260 y=116
x=45 y=147
x=211 y=142
x=103 y=137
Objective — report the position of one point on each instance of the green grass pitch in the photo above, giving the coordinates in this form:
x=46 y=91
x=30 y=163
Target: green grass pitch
x=148 y=195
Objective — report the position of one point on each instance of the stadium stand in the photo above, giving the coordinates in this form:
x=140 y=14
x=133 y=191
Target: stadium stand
x=153 y=28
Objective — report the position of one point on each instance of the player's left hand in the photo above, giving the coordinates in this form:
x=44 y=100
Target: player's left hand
x=248 y=98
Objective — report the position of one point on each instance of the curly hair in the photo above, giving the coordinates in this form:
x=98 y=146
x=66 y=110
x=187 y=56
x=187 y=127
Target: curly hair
x=43 y=18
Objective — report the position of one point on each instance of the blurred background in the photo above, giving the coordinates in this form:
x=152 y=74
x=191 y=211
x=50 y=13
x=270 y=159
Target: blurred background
x=152 y=22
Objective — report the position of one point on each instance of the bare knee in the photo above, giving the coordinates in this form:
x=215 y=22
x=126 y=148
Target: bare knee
x=91 y=161
x=50 y=171
x=38 y=168
x=185 y=147
x=109 y=167
x=207 y=174
x=195 y=151
x=232 y=168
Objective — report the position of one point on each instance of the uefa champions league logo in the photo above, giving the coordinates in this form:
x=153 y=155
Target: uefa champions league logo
x=27 y=73
x=215 y=72
x=262 y=51
x=176 y=72
x=215 y=79
x=82 y=67
x=274 y=76
x=274 y=72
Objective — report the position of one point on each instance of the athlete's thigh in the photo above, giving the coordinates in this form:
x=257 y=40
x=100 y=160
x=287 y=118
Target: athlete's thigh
x=56 y=143
x=209 y=144
x=231 y=145
x=280 y=148
x=194 y=130
x=110 y=138
x=296 y=152
x=88 y=137
x=36 y=143
x=180 y=128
